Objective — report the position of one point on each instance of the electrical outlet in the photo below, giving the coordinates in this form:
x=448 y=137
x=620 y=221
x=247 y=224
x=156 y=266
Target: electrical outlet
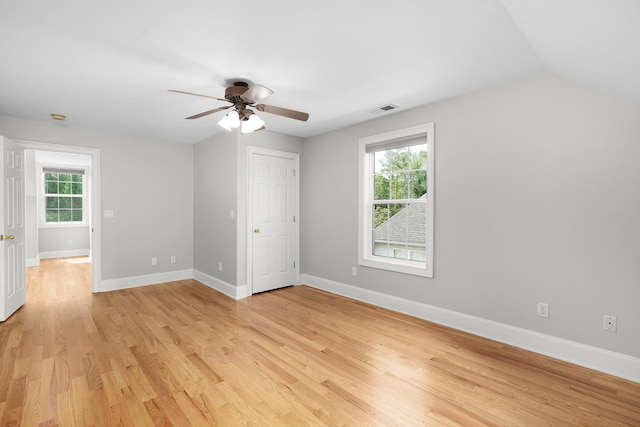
x=354 y=271
x=543 y=309
x=609 y=323
x=220 y=266
x=154 y=261
x=173 y=259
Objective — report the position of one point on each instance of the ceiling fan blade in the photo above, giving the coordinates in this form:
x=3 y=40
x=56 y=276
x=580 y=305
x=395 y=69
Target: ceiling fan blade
x=255 y=93
x=285 y=112
x=197 y=94
x=206 y=113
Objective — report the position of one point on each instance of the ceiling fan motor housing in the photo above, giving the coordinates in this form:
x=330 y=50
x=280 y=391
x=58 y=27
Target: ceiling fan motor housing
x=232 y=93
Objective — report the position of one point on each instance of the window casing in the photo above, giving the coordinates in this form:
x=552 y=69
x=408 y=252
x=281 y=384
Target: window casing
x=63 y=197
x=396 y=195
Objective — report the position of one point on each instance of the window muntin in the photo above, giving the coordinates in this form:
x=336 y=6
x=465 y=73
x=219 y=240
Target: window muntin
x=396 y=201
x=63 y=197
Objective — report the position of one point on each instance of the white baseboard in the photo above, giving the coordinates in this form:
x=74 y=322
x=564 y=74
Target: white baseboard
x=171 y=276
x=32 y=262
x=235 y=292
x=63 y=254
x=606 y=361
x=147 y=279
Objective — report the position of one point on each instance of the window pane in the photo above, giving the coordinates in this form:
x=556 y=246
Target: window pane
x=381 y=187
x=76 y=188
x=395 y=209
x=52 y=215
x=76 y=215
x=390 y=230
x=380 y=166
x=399 y=186
x=65 y=202
x=76 y=178
x=51 y=176
x=417 y=184
x=64 y=177
x=52 y=202
x=400 y=253
x=76 y=202
x=64 y=188
x=65 y=215
x=380 y=248
x=380 y=214
x=396 y=159
x=418 y=256
x=51 y=188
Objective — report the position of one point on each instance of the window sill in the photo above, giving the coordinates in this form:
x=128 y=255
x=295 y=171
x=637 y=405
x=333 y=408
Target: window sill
x=64 y=225
x=398 y=266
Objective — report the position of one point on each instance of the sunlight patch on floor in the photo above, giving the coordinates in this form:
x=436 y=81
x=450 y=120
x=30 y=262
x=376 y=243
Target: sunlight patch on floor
x=77 y=260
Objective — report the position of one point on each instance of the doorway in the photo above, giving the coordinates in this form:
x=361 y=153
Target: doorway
x=92 y=156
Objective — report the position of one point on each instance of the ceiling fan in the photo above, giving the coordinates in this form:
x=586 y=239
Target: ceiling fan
x=241 y=96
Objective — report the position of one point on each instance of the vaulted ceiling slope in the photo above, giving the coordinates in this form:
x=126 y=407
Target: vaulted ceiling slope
x=108 y=64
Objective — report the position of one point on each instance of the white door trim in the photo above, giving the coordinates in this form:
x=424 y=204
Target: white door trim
x=249 y=233
x=95 y=245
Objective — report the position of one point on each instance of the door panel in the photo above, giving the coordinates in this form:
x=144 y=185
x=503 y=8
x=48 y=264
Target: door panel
x=273 y=226
x=12 y=278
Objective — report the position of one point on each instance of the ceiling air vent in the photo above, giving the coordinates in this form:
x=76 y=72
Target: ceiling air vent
x=384 y=109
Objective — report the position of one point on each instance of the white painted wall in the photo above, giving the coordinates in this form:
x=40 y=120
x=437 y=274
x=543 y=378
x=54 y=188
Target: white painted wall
x=537 y=199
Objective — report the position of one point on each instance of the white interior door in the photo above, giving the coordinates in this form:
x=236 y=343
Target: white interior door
x=12 y=276
x=273 y=229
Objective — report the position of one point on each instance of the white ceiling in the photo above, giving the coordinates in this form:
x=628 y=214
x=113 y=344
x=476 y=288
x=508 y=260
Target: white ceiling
x=108 y=64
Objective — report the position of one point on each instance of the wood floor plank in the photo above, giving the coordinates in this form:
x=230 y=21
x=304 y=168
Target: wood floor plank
x=183 y=354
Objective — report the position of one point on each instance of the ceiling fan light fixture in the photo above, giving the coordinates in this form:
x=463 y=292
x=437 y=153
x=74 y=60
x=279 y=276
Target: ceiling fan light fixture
x=230 y=121
x=252 y=124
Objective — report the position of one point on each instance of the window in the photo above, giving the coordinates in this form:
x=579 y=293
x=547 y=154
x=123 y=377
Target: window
x=396 y=201
x=63 y=196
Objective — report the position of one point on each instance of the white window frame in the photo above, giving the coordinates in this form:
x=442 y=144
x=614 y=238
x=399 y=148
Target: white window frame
x=42 y=202
x=365 y=193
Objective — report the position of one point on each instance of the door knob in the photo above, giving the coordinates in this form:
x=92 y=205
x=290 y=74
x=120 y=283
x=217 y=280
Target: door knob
x=256 y=230
x=7 y=237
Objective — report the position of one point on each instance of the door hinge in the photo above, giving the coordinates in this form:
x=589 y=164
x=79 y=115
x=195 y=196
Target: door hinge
x=294 y=172
x=294 y=218
x=294 y=264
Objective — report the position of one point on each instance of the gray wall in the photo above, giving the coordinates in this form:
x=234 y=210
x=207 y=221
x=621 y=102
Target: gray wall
x=215 y=195
x=31 y=208
x=57 y=239
x=537 y=199
x=147 y=183
x=220 y=171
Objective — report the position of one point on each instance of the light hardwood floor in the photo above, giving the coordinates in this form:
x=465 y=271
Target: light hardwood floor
x=183 y=354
